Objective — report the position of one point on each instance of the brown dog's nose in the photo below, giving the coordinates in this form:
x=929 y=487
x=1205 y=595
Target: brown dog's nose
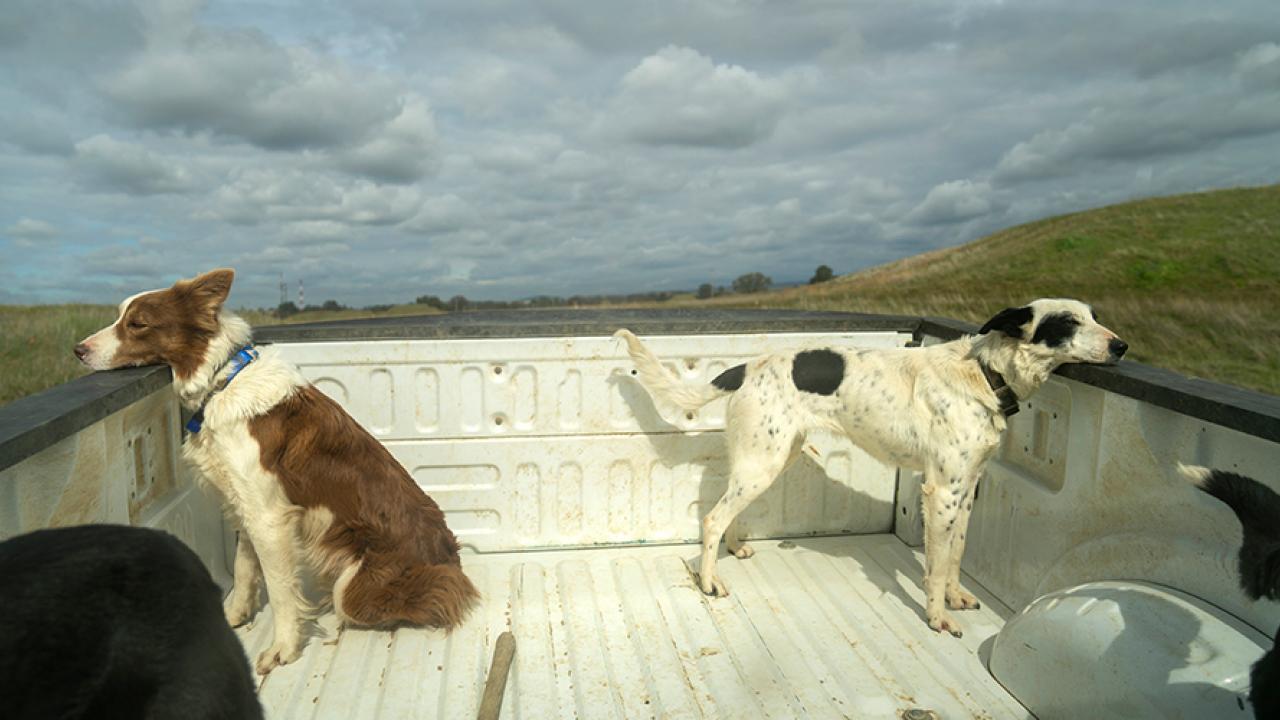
x=82 y=351
x=1117 y=348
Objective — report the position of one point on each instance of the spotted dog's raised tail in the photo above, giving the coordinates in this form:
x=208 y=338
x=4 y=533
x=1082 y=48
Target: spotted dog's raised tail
x=1258 y=508
x=667 y=388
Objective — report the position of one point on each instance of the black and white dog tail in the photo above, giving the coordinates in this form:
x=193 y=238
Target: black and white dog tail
x=1258 y=508
x=666 y=387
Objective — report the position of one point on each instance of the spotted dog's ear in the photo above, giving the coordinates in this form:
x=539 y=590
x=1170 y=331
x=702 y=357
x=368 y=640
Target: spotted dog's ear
x=1009 y=321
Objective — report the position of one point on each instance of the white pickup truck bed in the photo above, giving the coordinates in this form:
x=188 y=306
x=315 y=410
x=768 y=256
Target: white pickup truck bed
x=1109 y=587
x=813 y=628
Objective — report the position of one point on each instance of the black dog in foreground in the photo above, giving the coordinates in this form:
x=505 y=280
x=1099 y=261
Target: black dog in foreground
x=109 y=621
x=1258 y=508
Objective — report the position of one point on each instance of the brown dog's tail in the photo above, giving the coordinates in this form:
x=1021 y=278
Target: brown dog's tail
x=387 y=591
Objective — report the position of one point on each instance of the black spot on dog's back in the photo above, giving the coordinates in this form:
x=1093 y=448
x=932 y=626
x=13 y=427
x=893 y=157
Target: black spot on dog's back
x=818 y=371
x=1056 y=329
x=730 y=379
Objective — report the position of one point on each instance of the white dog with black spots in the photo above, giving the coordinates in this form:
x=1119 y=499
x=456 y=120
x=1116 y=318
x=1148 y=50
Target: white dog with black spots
x=939 y=409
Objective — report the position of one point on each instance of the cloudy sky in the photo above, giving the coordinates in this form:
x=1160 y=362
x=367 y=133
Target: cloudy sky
x=504 y=149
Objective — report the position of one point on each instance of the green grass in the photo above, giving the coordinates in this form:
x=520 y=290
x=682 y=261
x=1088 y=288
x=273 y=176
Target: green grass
x=36 y=340
x=36 y=343
x=1192 y=282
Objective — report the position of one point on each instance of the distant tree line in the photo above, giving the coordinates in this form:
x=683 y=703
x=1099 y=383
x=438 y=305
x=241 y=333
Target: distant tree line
x=748 y=284
x=287 y=308
x=460 y=302
x=756 y=282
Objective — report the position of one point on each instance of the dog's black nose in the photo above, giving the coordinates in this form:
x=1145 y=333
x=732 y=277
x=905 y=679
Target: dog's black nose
x=82 y=351
x=1117 y=347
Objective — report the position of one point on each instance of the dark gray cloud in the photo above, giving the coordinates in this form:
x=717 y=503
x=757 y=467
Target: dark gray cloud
x=1161 y=121
x=505 y=149
x=35 y=130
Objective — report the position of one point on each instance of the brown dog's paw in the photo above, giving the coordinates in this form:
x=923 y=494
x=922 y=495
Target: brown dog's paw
x=278 y=654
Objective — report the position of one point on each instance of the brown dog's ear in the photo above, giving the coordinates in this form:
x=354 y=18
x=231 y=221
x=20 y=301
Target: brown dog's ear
x=1009 y=321
x=212 y=288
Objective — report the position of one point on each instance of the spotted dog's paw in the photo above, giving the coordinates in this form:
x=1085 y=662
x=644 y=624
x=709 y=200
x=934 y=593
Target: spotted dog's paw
x=942 y=622
x=958 y=599
x=714 y=586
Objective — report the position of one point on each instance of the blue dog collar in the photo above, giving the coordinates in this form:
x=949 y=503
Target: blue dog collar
x=239 y=361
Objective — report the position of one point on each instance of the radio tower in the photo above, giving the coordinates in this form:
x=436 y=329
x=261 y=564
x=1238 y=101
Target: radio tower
x=284 y=290
x=302 y=303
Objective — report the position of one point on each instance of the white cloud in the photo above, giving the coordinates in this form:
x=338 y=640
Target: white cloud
x=402 y=152
x=481 y=89
x=517 y=152
x=952 y=202
x=30 y=230
x=110 y=165
x=1258 y=68
x=305 y=232
x=575 y=165
x=261 y=195
x=678 y=96
x=446 y=213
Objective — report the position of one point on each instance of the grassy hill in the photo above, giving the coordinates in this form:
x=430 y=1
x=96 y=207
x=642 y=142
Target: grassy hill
x=1191 y=281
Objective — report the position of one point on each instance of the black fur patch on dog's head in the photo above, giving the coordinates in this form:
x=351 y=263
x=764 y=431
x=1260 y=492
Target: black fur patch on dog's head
x=1056 y=330
x=818 y=371
x=1008 y=321
x=730 y=379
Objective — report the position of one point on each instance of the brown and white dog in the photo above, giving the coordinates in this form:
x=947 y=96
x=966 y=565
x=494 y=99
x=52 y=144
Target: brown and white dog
x=304 y=481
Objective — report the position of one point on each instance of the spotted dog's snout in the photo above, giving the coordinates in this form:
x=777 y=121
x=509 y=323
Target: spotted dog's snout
x=1117 y=348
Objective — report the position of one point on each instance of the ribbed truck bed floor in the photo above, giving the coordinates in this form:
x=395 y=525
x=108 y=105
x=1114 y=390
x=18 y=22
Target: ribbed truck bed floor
x=813 y=628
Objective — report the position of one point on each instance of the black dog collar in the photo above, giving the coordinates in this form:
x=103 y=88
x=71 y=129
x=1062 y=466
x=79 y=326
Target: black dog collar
x=1005 y=394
